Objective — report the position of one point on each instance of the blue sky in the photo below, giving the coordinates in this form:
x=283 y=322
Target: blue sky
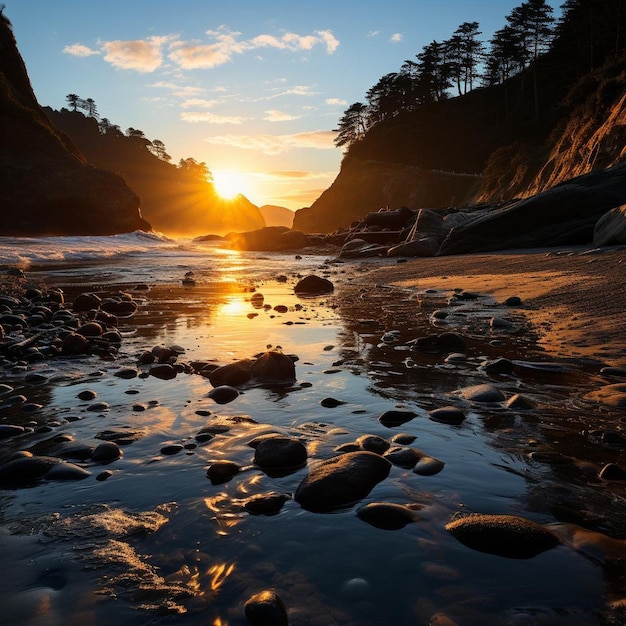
x=254 y=89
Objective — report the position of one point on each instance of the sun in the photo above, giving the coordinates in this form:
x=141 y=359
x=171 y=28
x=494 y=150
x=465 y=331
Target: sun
x=228 y=183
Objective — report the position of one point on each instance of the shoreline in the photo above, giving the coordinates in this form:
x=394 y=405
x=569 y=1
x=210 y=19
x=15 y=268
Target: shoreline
x=574 y=298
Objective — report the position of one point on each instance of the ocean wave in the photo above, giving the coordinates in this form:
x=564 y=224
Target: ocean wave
x=25 y=252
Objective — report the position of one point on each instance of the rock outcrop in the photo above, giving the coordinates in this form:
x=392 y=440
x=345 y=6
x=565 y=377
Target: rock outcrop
x=46 y=186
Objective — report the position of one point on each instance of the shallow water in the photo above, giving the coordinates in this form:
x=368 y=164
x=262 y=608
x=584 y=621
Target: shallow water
x=158 y=543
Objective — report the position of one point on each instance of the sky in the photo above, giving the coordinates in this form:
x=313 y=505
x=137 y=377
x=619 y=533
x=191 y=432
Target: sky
x=252 y=88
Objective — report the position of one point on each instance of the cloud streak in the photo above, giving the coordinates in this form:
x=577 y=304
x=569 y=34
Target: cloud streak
x=277 y=144
x=79 y=50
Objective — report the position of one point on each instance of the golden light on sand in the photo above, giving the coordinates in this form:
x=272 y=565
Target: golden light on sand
x=229 y=183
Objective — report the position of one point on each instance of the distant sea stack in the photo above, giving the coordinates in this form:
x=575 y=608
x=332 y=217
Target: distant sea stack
x=46 y=185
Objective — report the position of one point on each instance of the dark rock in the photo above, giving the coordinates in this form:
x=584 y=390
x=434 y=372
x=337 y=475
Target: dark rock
x=223 y=394
x=482 y=393
x=503 y=535
x=266 y=609
x=403 y=457
x=163 y=371
x=386 y=515
x=87 y=395
x=126 y=373
x=513 y=301
x=90 y=329
x=274 y=367
x=403 y=439
x=447 y=415
x=220 y=472
x=498 y=366
x=279 y=452
x=519 y=403
x=611 y=471
x=11 y=430
x=396 y=417
x=610 y=229
x=331 y=403
x=428 y=466
x=313 y=285
x=86 y=302
x=341 y=481
x=373 y=443
x=233 y=374
x=106 y=452
x=67 y=471
x=266 y=503
x=74 y=344
x=444 y=342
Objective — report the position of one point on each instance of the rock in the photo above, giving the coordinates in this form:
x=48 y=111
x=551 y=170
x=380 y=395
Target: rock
x=498 y=366
x=428 y=466
x=266 y=609
x=341 y=481
x=611 y=471
x=482 y=393
x=233 y=374
x=172 y=448
x=90 y=329
x=447 y=415
x=386 y=515
x=610 y=229
x=403 y=456
x=126 y=373
x=373 y=443
x=519 y=403
x=274 y=367
x=106 y=452
x=421 y=247
x=223 y=394
x=279 y=452
x=444 y=342
x=74 y=344
x=313 y=285
x=503 y=535
x=396 y=417
x=86 y=302
x=609 y=395
x=266 y=503
x=33 y=468
x=220 y=472
x=11 y=430
x=163 y=371
x=67 y=471
x=331 y=403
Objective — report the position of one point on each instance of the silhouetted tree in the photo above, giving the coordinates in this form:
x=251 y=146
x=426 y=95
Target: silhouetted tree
x=433 y=72
x=73 y=100
x=352 y=126
x=90 y=107
x=196 y=171
x=158 y=149
x=465 y=53
x=393 y=93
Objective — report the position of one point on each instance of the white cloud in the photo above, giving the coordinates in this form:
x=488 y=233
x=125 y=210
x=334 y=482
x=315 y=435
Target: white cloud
x=142 y=55
x=79 y=50
x=396 y=37
x=373 y=33
x=279 y=116
x=332 y=43
x=277 y=144
x=200 y=57
x=336 y=101
x=210 y=118
x=198 y=102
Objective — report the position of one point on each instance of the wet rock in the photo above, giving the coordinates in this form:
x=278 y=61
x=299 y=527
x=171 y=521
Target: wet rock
x=396 y=417
x=86 y=301
x=266 y=609
x=11 y=430
x=447 y=415
x=223 y=394
x=280 y=452
x=403 y=439
x=313 y=285
x=67 y=471
x=610 y=395
x=172 y=449
x=498 y=366
x=31 y=469
x=126 y=373
x=513 y=301
x=348 y=447
x=233 y=374
x=90 y=329
x=74 y=344
x=618 y=372
x=428 y=466
x=97 y=407
x=266 y=503
x=120 y=437
x=341 y=481
x=164 y=355
x=146 y=358
x=500 y=323
x=373 y=443
x=482 y=393
x=503 y=535
x=403 y=456
x=444 y=342
x=87 y=394
x=519 y=403
x=120 y=307
x=164 y=371
x=612 y=471
x=106 y=452
x=331 y=403
x=456 y=357
x=220 y=472
x=386 y=515
x=274 y=367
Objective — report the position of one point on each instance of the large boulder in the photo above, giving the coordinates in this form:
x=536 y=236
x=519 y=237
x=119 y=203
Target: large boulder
x=341 y=481
x=610 y=229
x=46 y=185
x=563 y=215
x=272 y=238
x=424 y=238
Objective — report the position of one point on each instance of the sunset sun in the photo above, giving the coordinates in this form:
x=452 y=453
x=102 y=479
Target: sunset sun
x=228 y=183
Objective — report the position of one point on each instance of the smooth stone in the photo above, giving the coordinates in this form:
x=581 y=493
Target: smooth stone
x=273 y=367
x=164 y=371
x=456 y=357
x=611 y=471
x=348 y=447
x=233 y=374
x=331 y=403
x=404 y=457
x=313 y=285
x=171 y=449
x=513 y=301
x=403 y=439
x=396 y=417
x=106 y=452
x=618 y=372
x=373 y=443
x=280 y=452
x=482 y=393
x=102 y=476
x=26 y=469
x=220 y=472
x=87 y=394
x=519 y=402
x=428 y=466
x=11 y=430
x=223 y=394
x=447 y=415
x=500 y=323
x=609 y=395
x=126 y=373
x=66 y=471
x=98 y=406
x=341 y=481
x=266 y=503
x=266 y=609
x=90 y=329
x=498 y=366
x=386 y=515
x=503 y=535
x=74 y=344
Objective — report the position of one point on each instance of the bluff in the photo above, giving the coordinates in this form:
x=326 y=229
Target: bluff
x=177 y=200
x=46 y=185
x=561 y=118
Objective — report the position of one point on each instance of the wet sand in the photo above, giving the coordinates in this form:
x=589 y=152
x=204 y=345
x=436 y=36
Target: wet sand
x=575 y=299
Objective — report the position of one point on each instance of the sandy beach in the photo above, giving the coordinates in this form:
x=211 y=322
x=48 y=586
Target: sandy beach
x=574 y=298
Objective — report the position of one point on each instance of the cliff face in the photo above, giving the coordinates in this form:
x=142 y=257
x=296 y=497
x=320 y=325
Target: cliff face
x=46 y=186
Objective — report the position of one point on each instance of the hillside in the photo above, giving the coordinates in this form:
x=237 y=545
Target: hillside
x=46 y=185
x=276 y=215
x=514 y=139
x=176 y=200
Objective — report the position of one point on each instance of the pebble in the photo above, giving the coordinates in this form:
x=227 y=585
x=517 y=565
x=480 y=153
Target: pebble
x=223 y=394
x=447 y=415
x=220 y=472
x=386 y=515
x=266 y=609
x=396 y=417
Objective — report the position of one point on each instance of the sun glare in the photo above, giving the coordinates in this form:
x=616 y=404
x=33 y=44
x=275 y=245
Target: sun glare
x=228 y=184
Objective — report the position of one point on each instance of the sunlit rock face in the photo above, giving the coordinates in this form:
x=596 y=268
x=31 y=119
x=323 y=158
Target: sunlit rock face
x=46 y=186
